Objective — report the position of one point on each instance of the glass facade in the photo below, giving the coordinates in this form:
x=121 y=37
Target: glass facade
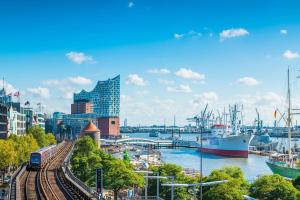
x=105 y=97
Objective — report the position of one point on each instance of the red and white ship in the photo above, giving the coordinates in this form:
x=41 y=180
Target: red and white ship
x=228 y=140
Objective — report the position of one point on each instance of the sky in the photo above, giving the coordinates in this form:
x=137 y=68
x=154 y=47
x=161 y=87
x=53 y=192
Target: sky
x=173 y=56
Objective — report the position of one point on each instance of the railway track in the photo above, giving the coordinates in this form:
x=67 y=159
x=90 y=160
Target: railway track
x=50 y=183
x=31 y=191
x=47 y=177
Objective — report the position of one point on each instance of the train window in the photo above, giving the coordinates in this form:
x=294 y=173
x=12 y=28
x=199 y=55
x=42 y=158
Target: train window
x=35 y=159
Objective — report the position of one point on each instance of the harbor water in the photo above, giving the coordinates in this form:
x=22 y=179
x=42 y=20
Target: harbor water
x=252 y=166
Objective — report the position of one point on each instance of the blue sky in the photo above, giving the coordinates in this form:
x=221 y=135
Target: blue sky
x=173 y=56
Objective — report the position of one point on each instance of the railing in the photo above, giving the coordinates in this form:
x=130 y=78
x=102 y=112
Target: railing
x=66 y=170
x=12 y=192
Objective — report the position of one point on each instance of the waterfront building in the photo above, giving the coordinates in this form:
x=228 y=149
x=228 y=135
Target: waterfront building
x=102 y=105
x=81 y=106
x=16 y=119
x=105 y=97
x=3 y=121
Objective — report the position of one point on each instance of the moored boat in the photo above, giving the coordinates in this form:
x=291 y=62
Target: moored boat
x=286 y=164
x=228 y=140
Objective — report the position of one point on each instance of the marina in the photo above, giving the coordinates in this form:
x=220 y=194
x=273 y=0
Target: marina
x=190 y=158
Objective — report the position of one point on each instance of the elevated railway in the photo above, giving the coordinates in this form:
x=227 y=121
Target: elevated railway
x=50 y=182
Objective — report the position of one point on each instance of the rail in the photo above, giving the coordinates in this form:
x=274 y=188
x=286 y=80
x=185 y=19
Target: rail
x=73 y=179
x=12 y=194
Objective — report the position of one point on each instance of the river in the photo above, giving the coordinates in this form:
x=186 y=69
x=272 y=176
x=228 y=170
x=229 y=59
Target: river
x=252 y=166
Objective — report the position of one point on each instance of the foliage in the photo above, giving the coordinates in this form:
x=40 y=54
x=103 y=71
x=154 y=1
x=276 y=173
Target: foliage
x=126 y=157
x=8 y=154
x=24 y=145
x=172 y=170
x=232 y=190
x=119 y=176
x=41 y=137
x=273 y=187
x=296 y=182
x=87 y=158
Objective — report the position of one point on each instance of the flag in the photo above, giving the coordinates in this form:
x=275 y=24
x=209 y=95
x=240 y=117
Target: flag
x=10 y=94
x=26 y=103
x=275 y=113
x=17 y=94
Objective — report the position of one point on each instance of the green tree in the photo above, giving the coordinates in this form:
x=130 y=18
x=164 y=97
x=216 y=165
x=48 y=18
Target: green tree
x=232 y=190
x=85 y=160
x=24 y=145
x=41 y=137
x=8 y=154
x=273 y=187
x=296 y=182
x=118 y=176
x=172 y=170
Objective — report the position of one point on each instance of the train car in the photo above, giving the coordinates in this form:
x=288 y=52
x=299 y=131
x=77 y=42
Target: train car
x=40 y=157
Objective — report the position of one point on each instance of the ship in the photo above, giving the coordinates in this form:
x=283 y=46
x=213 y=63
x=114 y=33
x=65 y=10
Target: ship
x=286 y=164
x=228 y=140
x=227 y=145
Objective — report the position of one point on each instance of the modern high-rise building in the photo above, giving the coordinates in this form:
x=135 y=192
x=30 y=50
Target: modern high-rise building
x=101 y=105
x=105 y=98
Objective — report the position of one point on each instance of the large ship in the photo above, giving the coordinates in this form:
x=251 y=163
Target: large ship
x=228 y=140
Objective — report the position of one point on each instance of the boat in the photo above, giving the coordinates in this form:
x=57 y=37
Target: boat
x=285 y=164
x=228 y=140
x=154 y=134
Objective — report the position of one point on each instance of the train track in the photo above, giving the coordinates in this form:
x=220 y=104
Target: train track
x=47 y=177
x=31 y=190
x=50 y=183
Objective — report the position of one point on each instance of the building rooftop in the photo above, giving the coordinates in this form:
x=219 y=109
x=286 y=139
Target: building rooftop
x=90 y=127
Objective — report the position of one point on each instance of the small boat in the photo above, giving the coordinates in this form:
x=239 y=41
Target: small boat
x=154 y=134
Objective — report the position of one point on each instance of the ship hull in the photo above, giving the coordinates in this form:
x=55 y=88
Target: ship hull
x=230 y=153
x=231 y=146
x=283 y=170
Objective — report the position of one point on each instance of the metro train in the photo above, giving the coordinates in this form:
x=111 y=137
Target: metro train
x=40 y=157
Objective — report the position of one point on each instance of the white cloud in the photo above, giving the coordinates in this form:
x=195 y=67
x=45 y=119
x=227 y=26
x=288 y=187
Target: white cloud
x=288 y=54
x=270 y=98
x=178 y=36
x=231 y=33
x=166 y=82
x=206 y=98
x=40 y=92
x=135 y=79
x=181 y=89
x=80 y=80
x=189 y=74
x=283 y=31
x=249 y=81
x=68 y=86
x=130 y=4
x=79 y=57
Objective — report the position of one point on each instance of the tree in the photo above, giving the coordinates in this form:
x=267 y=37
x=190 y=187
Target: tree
x=85 y=160
x=119 y=176
x=172 y=170
x=41 y=137
x=273 y=187
x=8 y=154
x=232 y=190
x=85 y=146
x=24 y=145
x=296 y=182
